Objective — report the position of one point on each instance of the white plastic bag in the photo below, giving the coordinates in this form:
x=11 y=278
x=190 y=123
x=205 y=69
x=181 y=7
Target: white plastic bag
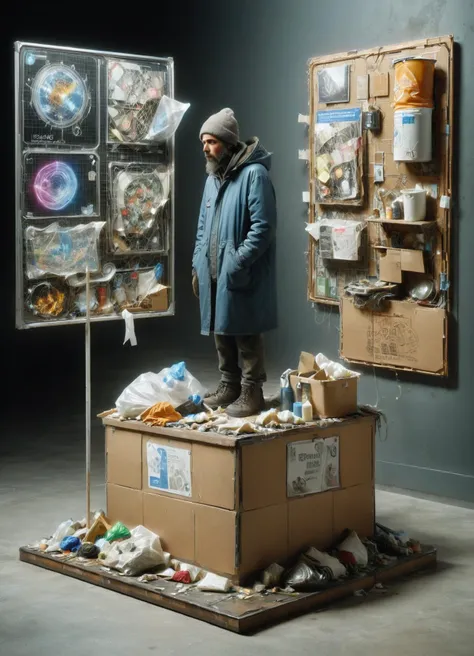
x=141 y=552
x=171 y=385
x=167 y=118
x=179 y=384
x=214 y=583
x=354 y=545
x=64 y=530
x=325 y=559
x=142 y=393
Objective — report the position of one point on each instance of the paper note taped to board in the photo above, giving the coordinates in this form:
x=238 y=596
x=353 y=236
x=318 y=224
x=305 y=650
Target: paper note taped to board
x=169 y=469
x=312 y=466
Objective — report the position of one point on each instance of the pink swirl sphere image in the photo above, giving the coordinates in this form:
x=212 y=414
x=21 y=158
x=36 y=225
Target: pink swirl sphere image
x=55 y=185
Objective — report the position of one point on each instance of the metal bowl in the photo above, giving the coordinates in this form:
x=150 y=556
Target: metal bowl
x=423 y=291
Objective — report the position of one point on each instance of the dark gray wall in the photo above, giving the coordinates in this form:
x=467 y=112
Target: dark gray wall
x=252 y=55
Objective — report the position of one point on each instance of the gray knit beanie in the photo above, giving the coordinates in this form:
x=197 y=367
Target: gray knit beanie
x=222 y=125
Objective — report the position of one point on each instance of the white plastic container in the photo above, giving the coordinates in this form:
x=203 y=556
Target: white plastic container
x=414 y=204
x=412 y=134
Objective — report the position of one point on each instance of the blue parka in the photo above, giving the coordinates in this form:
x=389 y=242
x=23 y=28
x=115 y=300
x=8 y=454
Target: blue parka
x=245 y=208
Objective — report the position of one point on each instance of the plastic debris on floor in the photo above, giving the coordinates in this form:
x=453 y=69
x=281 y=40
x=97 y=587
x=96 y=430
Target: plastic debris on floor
x=138 y=553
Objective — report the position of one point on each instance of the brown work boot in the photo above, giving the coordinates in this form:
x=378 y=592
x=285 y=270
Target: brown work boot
x=225 y=394
x=250 y=402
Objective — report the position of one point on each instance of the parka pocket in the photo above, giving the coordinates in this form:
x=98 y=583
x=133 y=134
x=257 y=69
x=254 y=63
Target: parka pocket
x=238 y=278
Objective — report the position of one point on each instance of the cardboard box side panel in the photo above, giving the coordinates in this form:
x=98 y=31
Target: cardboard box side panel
x=213 y=478
x=124 y=458
x=310 y=522
x=263 y=538
x=216 y=539
x=124 y=505
x=356 y=456
x=173 y=521
x=263 y=472
x=354 y=508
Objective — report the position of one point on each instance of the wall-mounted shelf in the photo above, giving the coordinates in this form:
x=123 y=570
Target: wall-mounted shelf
x=405 y=224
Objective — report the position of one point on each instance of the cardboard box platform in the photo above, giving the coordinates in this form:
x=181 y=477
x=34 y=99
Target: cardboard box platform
x=232 y=504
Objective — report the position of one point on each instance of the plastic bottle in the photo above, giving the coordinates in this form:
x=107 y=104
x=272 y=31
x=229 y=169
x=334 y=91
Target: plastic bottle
x=307 y=411
x=286 y=392
x=298 y=409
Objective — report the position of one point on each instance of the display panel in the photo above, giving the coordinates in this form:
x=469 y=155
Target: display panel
x=94 y=184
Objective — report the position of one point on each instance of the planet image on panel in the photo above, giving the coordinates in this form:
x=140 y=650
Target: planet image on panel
x=59 y=95
x=55 y=185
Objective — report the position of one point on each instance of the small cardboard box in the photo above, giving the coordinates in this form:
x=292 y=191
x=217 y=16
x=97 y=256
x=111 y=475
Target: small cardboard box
x=159 y=300
x=395 y=260
x=329 y=398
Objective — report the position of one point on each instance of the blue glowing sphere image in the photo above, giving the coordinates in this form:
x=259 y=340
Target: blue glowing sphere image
x=59 y=95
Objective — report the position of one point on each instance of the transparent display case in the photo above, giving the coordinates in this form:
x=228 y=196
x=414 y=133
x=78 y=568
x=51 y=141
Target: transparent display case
x=94 y=185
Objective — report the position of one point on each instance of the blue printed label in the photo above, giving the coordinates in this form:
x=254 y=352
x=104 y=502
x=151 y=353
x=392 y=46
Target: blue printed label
x=350 y=114
x=408 y=119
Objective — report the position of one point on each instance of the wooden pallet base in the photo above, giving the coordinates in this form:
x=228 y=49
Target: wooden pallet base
x=226 y=610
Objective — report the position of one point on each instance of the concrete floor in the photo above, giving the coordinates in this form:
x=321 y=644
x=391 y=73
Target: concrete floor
x=42 y=613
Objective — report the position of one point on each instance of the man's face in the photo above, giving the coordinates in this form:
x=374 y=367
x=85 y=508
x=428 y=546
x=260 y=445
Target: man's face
x=213 y=148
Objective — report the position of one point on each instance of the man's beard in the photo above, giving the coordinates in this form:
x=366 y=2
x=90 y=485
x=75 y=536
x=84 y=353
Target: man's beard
x=214 y=165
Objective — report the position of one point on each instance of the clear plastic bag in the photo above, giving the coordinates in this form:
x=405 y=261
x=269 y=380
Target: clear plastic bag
x=168 y=116
x=62 y=251
x=142 y=393
x=141 y=552
x=173 y=385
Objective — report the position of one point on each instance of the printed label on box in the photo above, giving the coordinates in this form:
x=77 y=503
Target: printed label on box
x=169 y=469
x=312 y=466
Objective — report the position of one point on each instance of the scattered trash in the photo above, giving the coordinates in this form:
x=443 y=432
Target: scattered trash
x=307 y=576
x=353 y=544
x=70 y=543
x=142 y=551
x=118 y=532
x=214 y=583
x=272 y=575
x=88 y=550
x=99 y=528
x=182 y=577
x=337 y=568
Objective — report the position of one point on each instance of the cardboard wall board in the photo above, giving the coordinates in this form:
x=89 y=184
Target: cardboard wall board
x=214 y=472
x=124 y=462
x=327 y=278
x=216 y=539
x=173 y=521
x=356 y=444
x=310 y=522
x=263 y=537
x=263 y=474
x=124 y=505
x=406 y=336
x=354 y=508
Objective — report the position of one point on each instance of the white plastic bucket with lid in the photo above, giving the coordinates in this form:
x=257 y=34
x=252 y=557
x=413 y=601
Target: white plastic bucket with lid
x=412 y=134
x=414 y=204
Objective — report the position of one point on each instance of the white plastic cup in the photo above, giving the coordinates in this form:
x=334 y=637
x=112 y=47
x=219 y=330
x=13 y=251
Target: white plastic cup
x=414 y=204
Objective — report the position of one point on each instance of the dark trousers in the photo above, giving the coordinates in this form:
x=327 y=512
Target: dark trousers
x=232 y=348
x=246 y=348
